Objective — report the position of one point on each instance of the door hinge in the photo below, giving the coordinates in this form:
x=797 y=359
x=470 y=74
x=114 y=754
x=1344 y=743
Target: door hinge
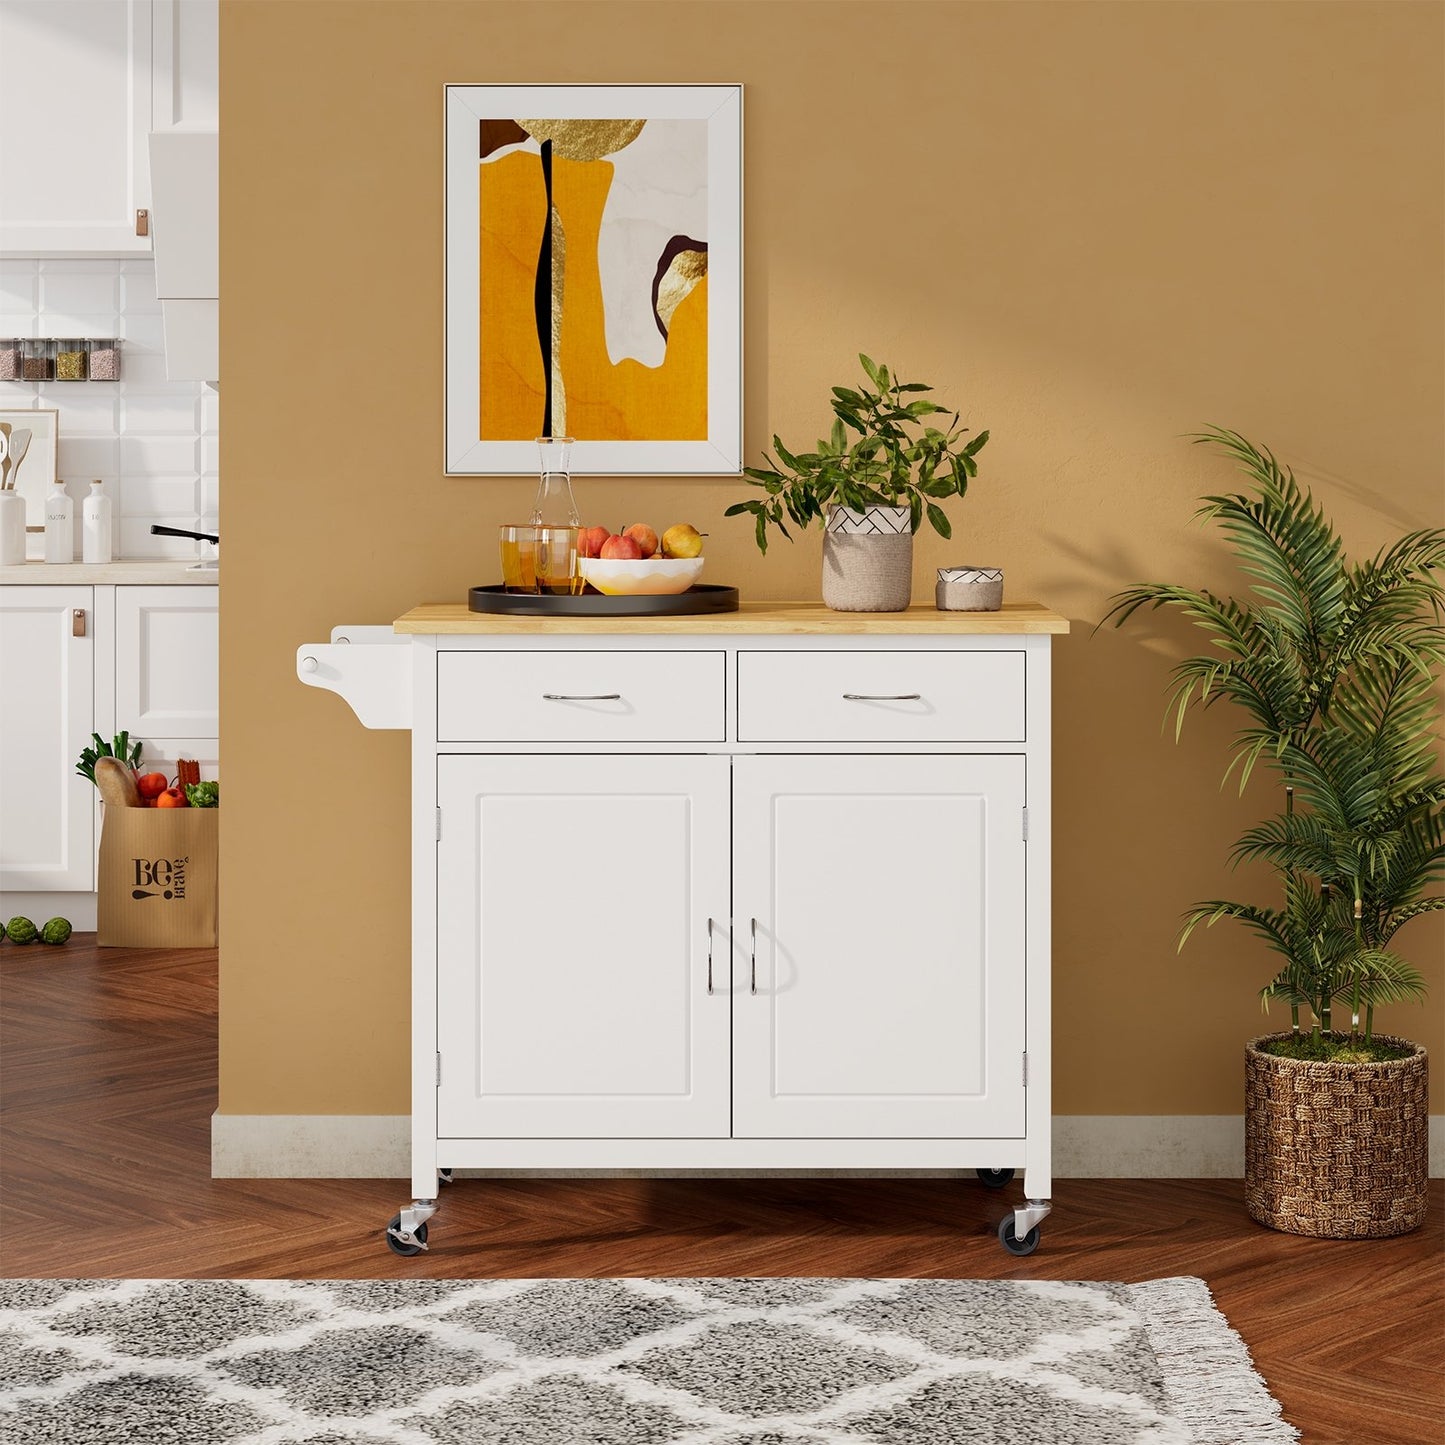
x=439 y=825
x=439 y=1070
x=1026 y=825
x=1026 y=1069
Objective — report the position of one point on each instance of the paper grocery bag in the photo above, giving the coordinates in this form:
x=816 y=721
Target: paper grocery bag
x=158 y=877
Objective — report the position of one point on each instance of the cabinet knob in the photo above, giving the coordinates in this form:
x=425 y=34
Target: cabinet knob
x=142 y=223
x=77 y=622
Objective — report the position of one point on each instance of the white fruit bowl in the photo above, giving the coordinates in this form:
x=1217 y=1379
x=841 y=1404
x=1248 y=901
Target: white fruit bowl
x=656 y=577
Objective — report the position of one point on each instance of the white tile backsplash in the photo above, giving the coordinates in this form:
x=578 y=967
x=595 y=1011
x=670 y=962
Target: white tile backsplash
x=88 y=293
x=155 y=498
x=87 y=457
x=142 y=435
x=160 y=413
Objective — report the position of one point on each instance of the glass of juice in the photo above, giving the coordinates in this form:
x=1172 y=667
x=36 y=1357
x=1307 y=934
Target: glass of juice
x=519 y=558
x=557 y=560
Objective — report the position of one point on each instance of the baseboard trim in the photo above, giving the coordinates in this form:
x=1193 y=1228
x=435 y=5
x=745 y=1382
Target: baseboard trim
x=1086 y=1146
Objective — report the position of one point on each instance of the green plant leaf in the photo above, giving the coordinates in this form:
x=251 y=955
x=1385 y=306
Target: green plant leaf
x=871 y=369
x=939 y=521
x=840 y=435
x=976 y=445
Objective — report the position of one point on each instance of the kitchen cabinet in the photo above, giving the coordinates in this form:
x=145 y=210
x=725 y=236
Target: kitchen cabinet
x=47 y=700
x=580 y=899
x=84 y=657
x=753 y=891
x=880 y=902
x=167 y=662
x=85 y=84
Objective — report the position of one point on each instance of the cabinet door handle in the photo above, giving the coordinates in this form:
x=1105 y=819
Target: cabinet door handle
x=709 y=955
x=77 y=622
x=581 y=697
x=883 y=697
x=753 y=971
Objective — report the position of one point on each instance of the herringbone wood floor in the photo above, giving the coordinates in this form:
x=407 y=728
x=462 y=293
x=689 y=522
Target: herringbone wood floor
x=107 y=1083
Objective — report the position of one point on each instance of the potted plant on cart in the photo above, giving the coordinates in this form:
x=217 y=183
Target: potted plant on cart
x=871 y=482
x=1334 y=666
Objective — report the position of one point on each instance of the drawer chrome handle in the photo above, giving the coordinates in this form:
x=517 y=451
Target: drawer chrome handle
x=883 y=697
x=581 y=697
x=753 y=976
x=709 y=955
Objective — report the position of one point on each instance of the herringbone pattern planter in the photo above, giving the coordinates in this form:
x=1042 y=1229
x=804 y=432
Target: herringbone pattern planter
x=1334 y=1149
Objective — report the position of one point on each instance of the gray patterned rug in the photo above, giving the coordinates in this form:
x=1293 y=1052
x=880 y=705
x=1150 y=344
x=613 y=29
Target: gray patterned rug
x=624 y=1362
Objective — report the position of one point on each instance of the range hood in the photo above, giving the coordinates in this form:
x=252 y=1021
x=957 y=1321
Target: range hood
x=185 y=227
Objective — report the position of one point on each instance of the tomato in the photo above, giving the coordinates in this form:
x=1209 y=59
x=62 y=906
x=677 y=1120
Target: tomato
x=151 y=785
x=173 y=798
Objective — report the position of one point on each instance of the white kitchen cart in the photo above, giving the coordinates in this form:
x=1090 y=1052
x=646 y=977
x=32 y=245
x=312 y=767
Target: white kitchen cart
x=750 y=891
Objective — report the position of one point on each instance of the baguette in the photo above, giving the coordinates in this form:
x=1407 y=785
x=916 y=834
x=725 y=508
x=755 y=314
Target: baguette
x=116 y=783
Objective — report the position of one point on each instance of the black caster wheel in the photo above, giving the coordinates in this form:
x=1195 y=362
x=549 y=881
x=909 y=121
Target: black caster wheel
x=1012 y=1242
x=995 y=1178
x=444 y=1176
x=396 y=1246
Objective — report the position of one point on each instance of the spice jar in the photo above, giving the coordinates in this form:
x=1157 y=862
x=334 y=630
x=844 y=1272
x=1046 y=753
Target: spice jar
x=105 y=359
x=37 y=359
x=9 y=359
x=72 y=360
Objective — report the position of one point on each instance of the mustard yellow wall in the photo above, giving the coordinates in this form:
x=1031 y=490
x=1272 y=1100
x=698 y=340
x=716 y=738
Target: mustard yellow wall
x=1094 y=227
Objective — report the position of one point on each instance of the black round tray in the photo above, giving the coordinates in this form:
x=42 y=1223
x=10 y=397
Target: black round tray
x=703 y=597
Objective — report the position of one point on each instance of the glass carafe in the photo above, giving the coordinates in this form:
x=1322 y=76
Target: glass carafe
x=555 y=505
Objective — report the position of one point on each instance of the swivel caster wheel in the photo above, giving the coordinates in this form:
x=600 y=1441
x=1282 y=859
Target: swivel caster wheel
x=1010 y=1240
x=400 y=1246
x=994 y=1178
x=444 y=1176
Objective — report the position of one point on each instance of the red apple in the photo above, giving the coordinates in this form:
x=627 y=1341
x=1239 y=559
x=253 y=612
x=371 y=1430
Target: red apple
x=621 y=549
x=589 y=543
x=644 y=536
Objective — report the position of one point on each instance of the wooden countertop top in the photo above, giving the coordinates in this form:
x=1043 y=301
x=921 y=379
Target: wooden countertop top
x=142 y=572
x=454 y=618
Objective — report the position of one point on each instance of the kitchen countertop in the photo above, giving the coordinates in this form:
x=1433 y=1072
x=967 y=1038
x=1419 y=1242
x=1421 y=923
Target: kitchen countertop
x=151 y=572
x=454 y=618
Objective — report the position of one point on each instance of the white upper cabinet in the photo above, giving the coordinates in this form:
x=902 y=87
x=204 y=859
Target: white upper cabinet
x=84 y=84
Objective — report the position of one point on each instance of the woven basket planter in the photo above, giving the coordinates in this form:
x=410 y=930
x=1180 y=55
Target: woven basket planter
x=1336 y=1150
x=868 y=560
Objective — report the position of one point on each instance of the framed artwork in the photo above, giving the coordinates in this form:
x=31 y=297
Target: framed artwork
x=33 y=436
x=594 y=277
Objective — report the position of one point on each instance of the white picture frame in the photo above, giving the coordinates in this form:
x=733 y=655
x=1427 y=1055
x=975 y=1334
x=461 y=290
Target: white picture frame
x=720 y=107
x=37 y=467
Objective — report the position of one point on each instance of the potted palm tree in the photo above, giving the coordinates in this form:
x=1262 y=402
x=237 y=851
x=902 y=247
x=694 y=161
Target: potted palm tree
x=1333 y=665
x=870 y=482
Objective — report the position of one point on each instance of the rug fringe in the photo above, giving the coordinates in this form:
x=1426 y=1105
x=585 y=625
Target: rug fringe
x=1208 y=1373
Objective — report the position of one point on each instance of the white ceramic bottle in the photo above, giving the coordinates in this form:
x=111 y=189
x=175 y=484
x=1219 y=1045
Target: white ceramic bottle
x=59 y=525
x=95 y=534
x=12 y=528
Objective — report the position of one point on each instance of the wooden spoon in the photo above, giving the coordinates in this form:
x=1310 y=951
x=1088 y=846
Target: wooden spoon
x=116 y=783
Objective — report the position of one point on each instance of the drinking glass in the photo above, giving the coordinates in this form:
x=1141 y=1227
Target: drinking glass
x=557 y=560
x=519 y=559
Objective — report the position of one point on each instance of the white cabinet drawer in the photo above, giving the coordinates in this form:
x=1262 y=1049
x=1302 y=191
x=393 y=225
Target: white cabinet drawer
x=585 y=697
x=886 y=696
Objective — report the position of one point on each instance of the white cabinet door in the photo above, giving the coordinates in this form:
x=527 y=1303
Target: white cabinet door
x=879 y=915
x=75 y=112
x=46 y=702
x=167 y=662
x=573 y=947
